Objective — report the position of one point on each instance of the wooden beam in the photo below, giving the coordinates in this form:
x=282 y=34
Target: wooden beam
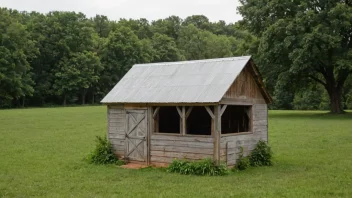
x=156 y=111
x=245 y=102
x=189 y=110
x=149 y=132
x=210 y=112
x=223 y=110
x=183 y=120
x=179 y=111
x=217 y=134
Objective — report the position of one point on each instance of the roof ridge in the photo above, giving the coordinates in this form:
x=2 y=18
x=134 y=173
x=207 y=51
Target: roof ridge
x=236 y=58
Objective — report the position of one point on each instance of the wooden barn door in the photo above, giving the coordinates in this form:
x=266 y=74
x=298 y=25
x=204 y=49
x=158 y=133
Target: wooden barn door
x=136 y=135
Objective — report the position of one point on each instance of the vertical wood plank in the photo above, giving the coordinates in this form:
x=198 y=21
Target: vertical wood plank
x=108 y=119
x=217 y=133
x=184 y=120
x=267 y=125
x=126 y=139
x=150 y=124
x=155 y=120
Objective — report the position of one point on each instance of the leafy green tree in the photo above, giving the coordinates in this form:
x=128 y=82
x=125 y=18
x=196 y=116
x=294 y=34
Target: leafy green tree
x=59 y=36
x=102 y=25
x=348 y=93
x=16 y=48
x=310 y=39
x=165 y=49
x=140 y=27
x=309 y=99
x=169 y=26
x=123 y=49
x=200 y=44
x=199 y=21
x=77 y=73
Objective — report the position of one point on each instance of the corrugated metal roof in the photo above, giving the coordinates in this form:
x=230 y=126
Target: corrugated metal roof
x=201 y=81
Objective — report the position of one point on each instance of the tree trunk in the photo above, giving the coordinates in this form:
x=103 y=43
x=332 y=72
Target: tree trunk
x=23 y=101
x=64 y=103
x=84 y=94
x=335 y=95
x=93 y=97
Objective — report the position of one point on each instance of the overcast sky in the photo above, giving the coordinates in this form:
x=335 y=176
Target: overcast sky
x=150 y=9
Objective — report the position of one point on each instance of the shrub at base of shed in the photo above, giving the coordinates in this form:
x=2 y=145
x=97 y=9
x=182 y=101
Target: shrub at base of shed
x=201 y=167
x=261 y=155
x=103 y=153
x=242 y=162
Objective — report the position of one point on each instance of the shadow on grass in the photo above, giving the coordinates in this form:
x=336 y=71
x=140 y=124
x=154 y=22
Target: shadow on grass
x=321 y=115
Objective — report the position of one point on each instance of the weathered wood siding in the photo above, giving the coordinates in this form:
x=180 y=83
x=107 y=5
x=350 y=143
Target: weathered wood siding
x=244 y=88
x=116 y=128
x=230 y=145
x=165 y=148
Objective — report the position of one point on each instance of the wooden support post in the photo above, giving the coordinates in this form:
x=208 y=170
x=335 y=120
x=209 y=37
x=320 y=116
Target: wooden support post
x=150 y=130
x=156 y=111
x=189 y=110
x=210 y=112
x=217 y=133
x=183 y=120
x=223 y=109
x=155 y=119
x=179 y=111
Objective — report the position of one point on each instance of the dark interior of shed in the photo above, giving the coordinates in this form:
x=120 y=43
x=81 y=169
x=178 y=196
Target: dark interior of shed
x=236 y=119
x=168 y=120
x=199 y=122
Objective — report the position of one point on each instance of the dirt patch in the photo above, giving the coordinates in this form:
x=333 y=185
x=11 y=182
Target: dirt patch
x=133 y=166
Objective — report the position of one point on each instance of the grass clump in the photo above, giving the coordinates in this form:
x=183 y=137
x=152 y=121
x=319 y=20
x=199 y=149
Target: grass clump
x=242 y=162
x=201 y=167
x=261 y=155
x=103 y=153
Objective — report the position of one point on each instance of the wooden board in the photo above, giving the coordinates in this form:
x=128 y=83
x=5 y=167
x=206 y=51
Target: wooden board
x=165 y=148
x=116 y=128
x=182 y=138
x=244 y=87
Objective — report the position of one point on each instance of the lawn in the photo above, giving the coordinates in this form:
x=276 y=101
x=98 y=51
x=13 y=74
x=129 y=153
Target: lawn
x=42 y=151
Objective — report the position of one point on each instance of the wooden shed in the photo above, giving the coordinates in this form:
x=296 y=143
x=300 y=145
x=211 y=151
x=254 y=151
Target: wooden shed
x=188 y=110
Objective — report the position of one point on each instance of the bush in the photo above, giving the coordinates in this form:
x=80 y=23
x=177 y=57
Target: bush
x=201 y=167
x=103 y=153
x=261 y=155
x=242 y=162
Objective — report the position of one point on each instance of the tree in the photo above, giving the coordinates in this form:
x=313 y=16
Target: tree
x=59 y=36
x=79 y=72
x=123 y=49
x=310 y=39
x=169 y=26
x=200 y=44
x=140 y=27
x=15 y=51
x=165 y=49
x=102 y=25
x=199 y=21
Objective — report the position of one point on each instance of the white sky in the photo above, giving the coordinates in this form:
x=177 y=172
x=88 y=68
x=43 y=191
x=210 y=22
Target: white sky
x=215 y=10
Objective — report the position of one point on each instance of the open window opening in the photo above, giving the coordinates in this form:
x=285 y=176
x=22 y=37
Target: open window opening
x=236 y=119
x=167 y=120
x=199 y=122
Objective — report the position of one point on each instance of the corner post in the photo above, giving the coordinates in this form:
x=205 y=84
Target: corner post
x=217 y=133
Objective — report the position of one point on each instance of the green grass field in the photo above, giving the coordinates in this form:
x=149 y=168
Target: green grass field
x=42 y=151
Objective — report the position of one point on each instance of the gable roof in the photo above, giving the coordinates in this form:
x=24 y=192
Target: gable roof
x=201 y=81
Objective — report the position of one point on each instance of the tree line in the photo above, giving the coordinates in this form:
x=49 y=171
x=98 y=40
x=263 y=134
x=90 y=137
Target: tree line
x=64 y=58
